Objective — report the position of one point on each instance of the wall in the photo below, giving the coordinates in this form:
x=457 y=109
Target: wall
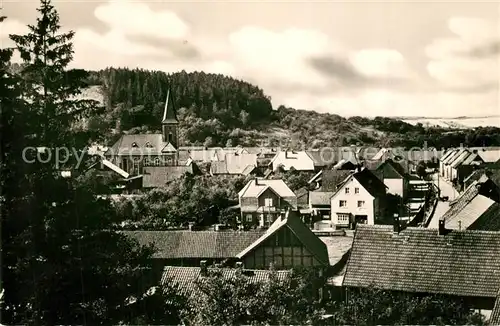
x=283 y=249
x=352 y=201
x=396 y=186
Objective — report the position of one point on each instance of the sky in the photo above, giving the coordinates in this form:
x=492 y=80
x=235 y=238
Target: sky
x=390 y=58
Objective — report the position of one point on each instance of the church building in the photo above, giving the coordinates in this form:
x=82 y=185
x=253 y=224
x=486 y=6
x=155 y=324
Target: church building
x=156 y=157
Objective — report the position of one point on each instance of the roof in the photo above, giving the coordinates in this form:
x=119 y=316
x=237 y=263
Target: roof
x=302 y=232
x=462 y=201
x=460 y=159
x=390 y=169
x=332 y=178
x=185 y=277
x=300 y=161
x=320 y=198
x=237 y=163
x=474 y=157
x=495 y=313
x=452 y=156
x=256 y=187
x=169 y=113
x=462 y=263
x=489 y=155
x=469 y=213
x=218 y=168
x=158 y=176
x=370 y=182
x=446 y=155
x=422 y=155
x=327 y=155
x=489 y=220
x=139 y=144
x=196 y=244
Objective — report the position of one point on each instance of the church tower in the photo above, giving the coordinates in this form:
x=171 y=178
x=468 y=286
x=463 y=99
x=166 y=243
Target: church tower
x=169 y=122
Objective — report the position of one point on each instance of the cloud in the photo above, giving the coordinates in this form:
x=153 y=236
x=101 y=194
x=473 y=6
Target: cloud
x=134 y=18
x=469 y=60
x=299 y=67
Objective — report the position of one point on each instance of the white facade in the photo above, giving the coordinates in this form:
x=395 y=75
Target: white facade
x=300 y=161
x=353 y=201
x=395 y=186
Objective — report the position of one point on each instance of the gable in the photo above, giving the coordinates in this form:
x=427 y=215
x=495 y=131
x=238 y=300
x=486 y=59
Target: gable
x=351 y=184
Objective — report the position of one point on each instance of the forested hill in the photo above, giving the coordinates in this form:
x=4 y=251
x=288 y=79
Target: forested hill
x=218 y=110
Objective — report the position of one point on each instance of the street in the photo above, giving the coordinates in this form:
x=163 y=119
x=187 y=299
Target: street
x=442 y=206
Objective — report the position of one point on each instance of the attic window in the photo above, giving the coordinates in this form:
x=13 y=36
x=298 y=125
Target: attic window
x=148 y=144
x=134 y=145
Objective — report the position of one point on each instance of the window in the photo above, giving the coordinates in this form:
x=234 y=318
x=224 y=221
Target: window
x=134 y=144
x=170 y=137
x=249 y=218
x=268 y=202
x=269 y=218
x=343 y=218
x=346 y=190
x=356 y=190
x=342 y=203
x=148 y=145
x=361 y=203
x=157 y=161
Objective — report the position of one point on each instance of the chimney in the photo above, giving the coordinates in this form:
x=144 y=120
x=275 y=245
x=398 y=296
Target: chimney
x=239 y=265
x=441 y=228
x=190 y=226
x=256 y=181
x=459 y=225
x=216 y=227
x=203 y=268
x=286 y=153
x=396 y=227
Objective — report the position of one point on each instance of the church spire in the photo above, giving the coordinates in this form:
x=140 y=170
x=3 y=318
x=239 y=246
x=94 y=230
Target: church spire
x=169 y=114
x=169 y=122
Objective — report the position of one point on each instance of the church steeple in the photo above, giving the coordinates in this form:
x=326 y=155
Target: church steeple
x=169 y=113
x=169 y=121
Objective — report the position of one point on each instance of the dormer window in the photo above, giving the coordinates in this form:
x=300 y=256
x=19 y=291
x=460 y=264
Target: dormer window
x=134 y=144
x=148 y=145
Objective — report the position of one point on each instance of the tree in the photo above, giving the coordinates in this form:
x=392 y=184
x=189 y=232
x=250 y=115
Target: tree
x=377 y=307
x=239 y=300
x=63 y=260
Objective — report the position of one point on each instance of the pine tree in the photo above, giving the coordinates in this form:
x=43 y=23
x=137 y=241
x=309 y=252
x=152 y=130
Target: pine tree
x=63 y=261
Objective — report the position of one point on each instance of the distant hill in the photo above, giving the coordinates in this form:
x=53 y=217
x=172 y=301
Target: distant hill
x=216 y=110
x=456 y=123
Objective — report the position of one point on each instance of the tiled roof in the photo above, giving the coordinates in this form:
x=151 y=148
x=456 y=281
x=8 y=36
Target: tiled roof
x=332 y=178
x=462 y=263
x=185 y=277
x=489 y=220
x=320 y=198
x=139 y=144
x=301 y=231
x=196 y=244
x=446 y=155
x=495 y=314
x=474 y=157
x=255 y=187
x=158 y=176
x=370 y=182
x=302 y=197
x=471 y=212
x=452 y=156
x=462 y=201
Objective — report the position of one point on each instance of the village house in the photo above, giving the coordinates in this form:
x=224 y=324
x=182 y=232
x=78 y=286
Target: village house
x=320 y=205
x=288 y=159
x=474 y=209
x=394 y=176
x=235 y=164
x=187 y=278
x=328 y=180
x=261 y=201
x=286 y=244
x=359 y=199
x=427 y=261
